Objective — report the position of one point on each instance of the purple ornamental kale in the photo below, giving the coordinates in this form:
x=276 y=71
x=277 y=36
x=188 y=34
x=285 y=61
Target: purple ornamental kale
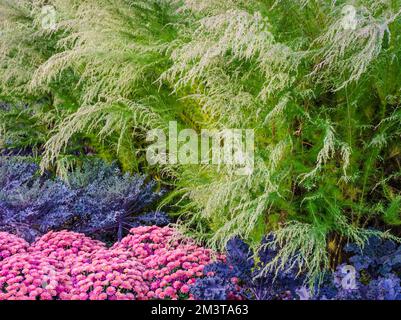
x=98 y=200
x=253 y=283
x=377 y=266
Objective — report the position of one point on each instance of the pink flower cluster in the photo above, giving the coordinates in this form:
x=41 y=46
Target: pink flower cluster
x=149 y=263
x=10 y=245
x=172 y=263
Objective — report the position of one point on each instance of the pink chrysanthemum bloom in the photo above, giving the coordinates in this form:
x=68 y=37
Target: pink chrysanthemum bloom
x=10 y=245
x=109 y=274
x=149 y=263
x=31 y=276
x=62 y=245
x=171 y=261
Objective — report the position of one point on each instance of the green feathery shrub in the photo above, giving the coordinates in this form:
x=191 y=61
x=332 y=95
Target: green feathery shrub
x=322 y=94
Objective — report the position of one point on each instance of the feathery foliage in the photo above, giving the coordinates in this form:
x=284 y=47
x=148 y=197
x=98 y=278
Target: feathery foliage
x=317 y=81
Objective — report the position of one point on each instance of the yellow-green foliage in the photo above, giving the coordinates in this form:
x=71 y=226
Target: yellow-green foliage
x=322 y=98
